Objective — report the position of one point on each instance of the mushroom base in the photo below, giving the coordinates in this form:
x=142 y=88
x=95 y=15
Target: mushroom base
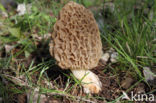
x=89 y=80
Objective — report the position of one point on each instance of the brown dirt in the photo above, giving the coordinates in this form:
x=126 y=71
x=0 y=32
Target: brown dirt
x=111 y=84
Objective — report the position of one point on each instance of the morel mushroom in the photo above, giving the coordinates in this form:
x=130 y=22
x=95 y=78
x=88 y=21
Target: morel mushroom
x=76 y=44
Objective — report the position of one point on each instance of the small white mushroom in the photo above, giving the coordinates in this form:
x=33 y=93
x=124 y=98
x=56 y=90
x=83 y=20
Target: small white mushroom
x=76 y=44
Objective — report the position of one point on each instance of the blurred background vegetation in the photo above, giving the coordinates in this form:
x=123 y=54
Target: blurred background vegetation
x=127 y=26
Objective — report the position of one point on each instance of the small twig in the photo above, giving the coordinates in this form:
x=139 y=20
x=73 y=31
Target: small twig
x=20 y=82
x=143 y=57
x=16 y=80
x=70 y=96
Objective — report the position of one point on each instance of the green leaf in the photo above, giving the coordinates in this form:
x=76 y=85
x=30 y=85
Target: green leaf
x=27 y=54
x=2 y=8
x=7 y=39
x=16 y=32
x=88 y=3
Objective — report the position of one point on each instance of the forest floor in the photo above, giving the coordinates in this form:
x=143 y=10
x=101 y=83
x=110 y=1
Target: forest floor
x=28 y=74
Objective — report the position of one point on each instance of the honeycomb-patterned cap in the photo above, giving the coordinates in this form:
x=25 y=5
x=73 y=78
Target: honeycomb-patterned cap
x=76 y=42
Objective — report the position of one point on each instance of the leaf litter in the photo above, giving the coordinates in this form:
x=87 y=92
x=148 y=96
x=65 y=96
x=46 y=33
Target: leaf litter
x=111 y=86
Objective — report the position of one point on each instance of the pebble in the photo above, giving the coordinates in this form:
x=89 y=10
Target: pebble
x=127 y=83
x=110 y=54
x=114 y=56
x=148 y=74
x=105 y=57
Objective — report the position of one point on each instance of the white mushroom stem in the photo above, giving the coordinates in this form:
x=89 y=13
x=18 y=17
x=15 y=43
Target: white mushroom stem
x=89 y=80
